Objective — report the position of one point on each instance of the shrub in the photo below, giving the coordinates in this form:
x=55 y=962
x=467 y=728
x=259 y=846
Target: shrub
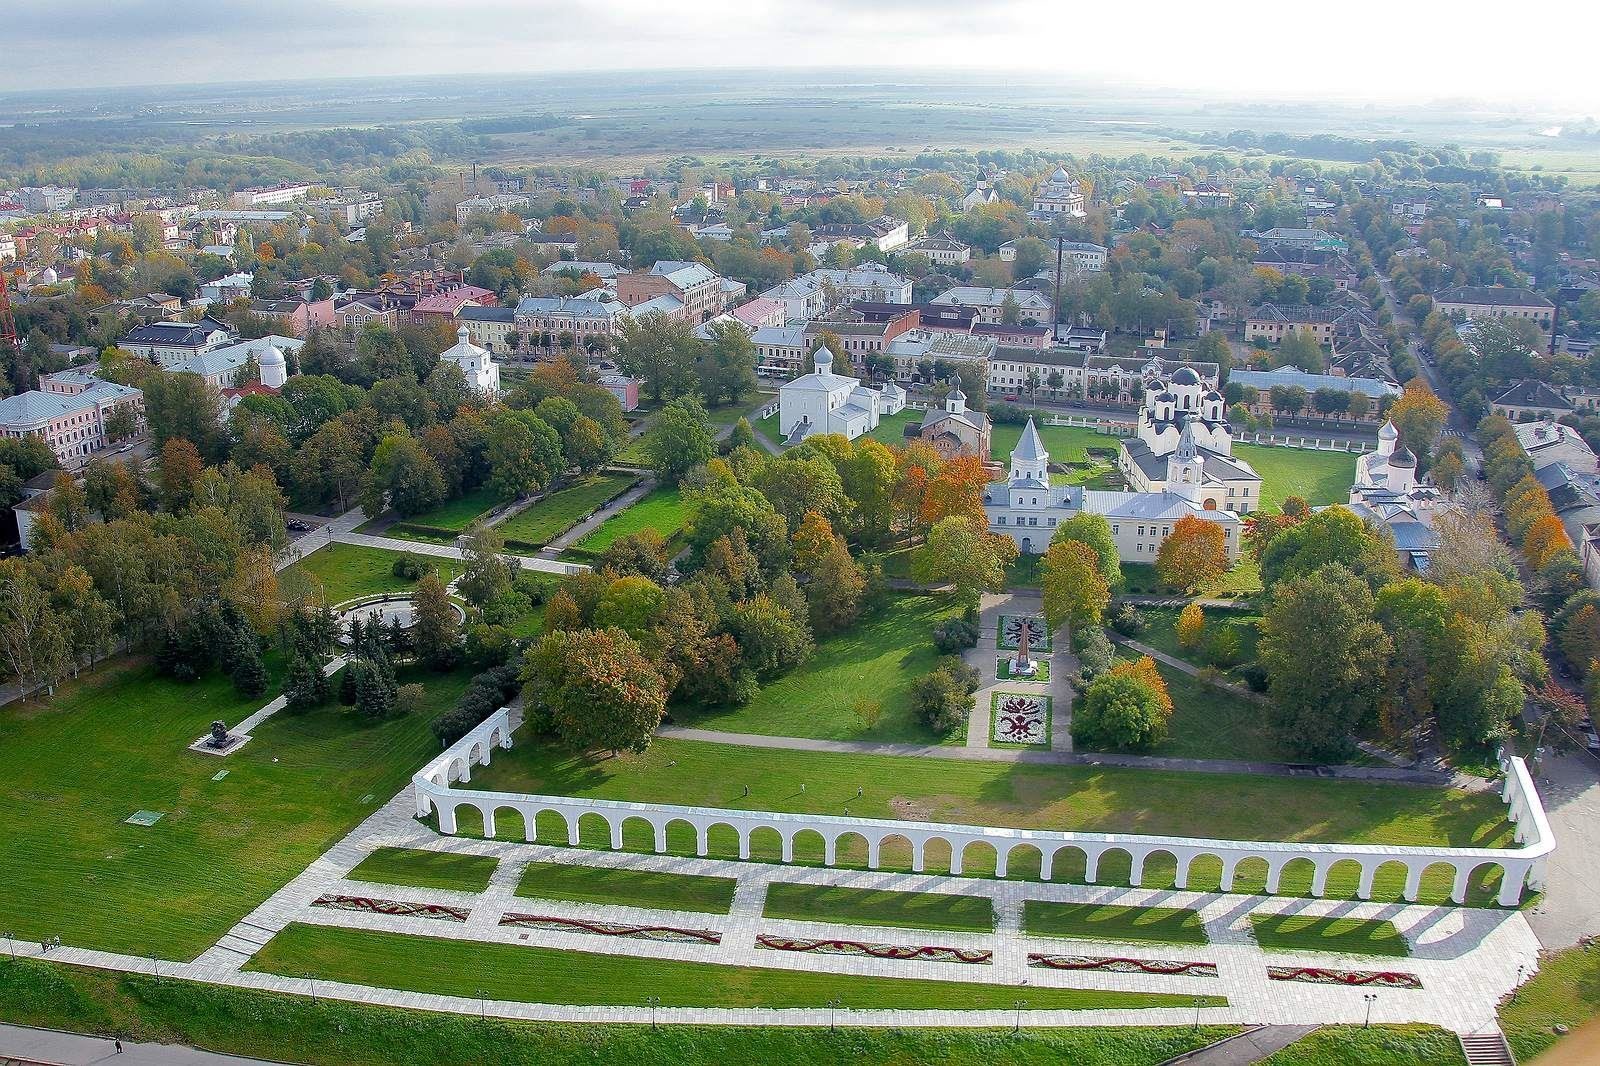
x=1127 y=620
x=1191 y=627
x=1094 y=651
x=1222 y=647
x=1254 y=676
x=943 y=696
x=409 y=568
x=954 y=634
x=1125 y=708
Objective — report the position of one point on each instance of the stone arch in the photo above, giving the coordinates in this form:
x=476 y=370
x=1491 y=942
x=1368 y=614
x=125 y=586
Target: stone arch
x=1429 y=882
x=638 y=833
x=1023 y=862
x=806 y=846
x=1066 y=863
x=1246 y=876
x=973 y=858
x=510 y=823
x=593 y=831
x=892 y=851
x=766 y=844
x=1388 y=880
x=1291 y=876
x=475 y=753
x=551 y=827
x=848 y=848
x=937 y=855
x=1342 y=879
x=457 y=770
x=724 y=841
x=681 y=836
x=1113 y=866
x=468 y=817
x=1482 y=881
x=1157 y=868
x=1203 y=874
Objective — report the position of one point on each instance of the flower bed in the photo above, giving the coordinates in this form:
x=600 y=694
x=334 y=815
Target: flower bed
x=1002 y=670
x=1112 y=964
x=928 y=953
x=1353 y=978
x=1019 y=719
x=668 y=933
x=1009 y=637
x=395 y=907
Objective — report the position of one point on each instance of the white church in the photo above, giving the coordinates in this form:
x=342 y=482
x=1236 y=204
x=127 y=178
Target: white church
x=1387 y=492
x=482 y=372
x=1183 y=406
x=825 y=402
x=1027 y=507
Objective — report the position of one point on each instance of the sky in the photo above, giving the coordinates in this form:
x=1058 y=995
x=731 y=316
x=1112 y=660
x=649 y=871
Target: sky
x=1401 y=51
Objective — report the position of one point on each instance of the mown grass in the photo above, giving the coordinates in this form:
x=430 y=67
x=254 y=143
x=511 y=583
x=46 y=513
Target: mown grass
x=662 y=509
x=1096 y=921
x=1378 y=1045
x=546 y=975
x=626 y=888
x=457 y=514
x=875 y=661
x=867 y=906
x=332 y=1033
x=346 y=571
x=425 y=868
x=1354 y=936
x=1565 y=991
x=116 y=742
x=1023 y=795
x=1319 y=477
x=539 y=523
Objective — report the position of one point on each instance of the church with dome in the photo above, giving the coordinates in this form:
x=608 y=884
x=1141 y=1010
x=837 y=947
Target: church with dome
x=1026 y=507
x=1387 y=492
x=1183 y=440
x=477 y=364
x=825 y=402
x=1058 y=196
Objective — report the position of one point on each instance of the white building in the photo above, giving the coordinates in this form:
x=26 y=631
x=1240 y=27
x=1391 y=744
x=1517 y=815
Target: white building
x=488 y=205
x=1388 y=493
x=1032 y=307
x=46 y=199
x=810 y=295
x=172 y=342
x=482 y=373
x=1028 y=508
x=1180 y=416
x=825 y=402
x=980 y=195
x=220 y=367
x=1059 y=197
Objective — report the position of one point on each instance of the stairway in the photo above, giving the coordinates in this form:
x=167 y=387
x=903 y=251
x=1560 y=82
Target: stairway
x=1487 y=1049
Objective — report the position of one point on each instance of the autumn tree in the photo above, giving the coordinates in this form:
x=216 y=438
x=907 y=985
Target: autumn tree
x=1094 y=531
x=594 y=689
x=1419 y=415
x=961 y=551
x=1074 y=589
x=436 y=633
x=1543 y=539
x=180 y=470
x=1191 y=626
x=1195 y=553
x=1126 y=707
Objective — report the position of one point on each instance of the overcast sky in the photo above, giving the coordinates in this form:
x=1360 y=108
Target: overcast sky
x=1400 y=50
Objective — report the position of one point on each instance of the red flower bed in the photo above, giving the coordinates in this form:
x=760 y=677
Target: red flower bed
x=930 y=953
x=399 y=908
x=643 y=932
x=1119 y=965
x=1353 y=978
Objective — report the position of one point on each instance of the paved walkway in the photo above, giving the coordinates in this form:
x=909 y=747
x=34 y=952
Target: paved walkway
x=983 y=658
x=1466 y=958
x=450 y=551
x=255 y=719
x=1569 y=911
x=55 y=1048
x=593 y=522
x=1252 y=1045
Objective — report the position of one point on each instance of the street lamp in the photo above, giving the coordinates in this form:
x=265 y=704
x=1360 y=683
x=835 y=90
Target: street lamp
x=1198 y=1003
x=483 y=1005
x=833 y=1005
x=653 y=1002
x=312 y=981
x=1017 y=1005
x=12 y=945
x=1371 y=998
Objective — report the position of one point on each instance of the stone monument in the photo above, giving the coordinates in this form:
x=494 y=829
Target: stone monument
x=219 y=737
x=1021 y=664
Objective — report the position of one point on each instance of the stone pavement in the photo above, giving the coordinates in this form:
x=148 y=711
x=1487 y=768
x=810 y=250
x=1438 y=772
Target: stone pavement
x=1570 y=907
x=593 y=522
x=450 y=551
x=29 y=1045
x=982 y=658
x=1466 y=957
x=1252 y=1045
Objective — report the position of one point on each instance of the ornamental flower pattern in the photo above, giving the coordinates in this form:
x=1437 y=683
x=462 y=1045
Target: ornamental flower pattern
x=393 y=907
x=901 y=952
x=1354 y=978
x=666 y=933
x=1020 y=719
x=1011 y=627
x=1117 y=964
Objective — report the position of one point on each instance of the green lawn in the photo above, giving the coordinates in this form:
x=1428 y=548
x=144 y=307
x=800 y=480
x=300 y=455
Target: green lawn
x=1565 y=991
x=1379 y=1045
x=456 y=515
x=662 y=509
x=1092 y=921
x=865 y=906
x=544 y=975
x=1353 y=936
x=347 y=571
x=539 y=523
x=423 y=868
x=1087 y=798
x=1320 y=477
x=1066 y=444
x=877 y=660
x=891 y=428
x=1161 y=632
x=328 y=1032
x=626 y=888
x=115 y=743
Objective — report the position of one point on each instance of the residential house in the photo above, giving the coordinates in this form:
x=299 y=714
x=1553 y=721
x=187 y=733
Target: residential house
x=448 y=303
x=296 y=317
x=169 y=343
x=944 y=250
x=1530 y=401
x=1496 y=301
x=1032 y=307
x=489 y=205
x=696 y=285
x=68 y=412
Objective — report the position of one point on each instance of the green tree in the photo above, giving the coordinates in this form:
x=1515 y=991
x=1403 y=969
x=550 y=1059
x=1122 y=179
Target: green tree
x=959 y=551
x=436 y=632
x=594 y=689
x=305 y=687
x=524 y=453
x=680 y=440
x=1073 y=586
x=728 y=371
x=1122 y=709
x=402 y=476
x=1093 y=531
x=1332 y=535
x=663 y=353
x=1319 y=700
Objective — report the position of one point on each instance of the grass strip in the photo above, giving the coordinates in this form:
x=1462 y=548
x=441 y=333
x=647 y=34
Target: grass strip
x=1094 y=921
x=423 y=868
x=869 y=906
x=626 y=888
x=1301 y=932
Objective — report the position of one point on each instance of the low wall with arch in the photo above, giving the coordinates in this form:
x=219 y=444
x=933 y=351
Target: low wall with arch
x=1520 y=866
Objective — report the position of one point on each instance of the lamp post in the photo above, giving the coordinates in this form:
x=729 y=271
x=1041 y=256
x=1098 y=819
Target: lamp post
x=312 y=981
x=653 y=1002
x=483 y=1006
x=12 y=945
x=1017 y=1005
x=833 y=1005
x=1371 y=998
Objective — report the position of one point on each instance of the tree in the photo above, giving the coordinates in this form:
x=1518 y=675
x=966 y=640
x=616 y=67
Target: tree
x=1419 y=415
x=1332 y=535
x=662 y=352
x=305 y=687
x=835 y=591
x=402 y=476
x=1125 y=707
x=942 y=697
x=680 y=440
x=33 y=635
x=1094 y=531
x=586 y=445
x=248 y=672
x=436 y=633
x=1543 y=539
x=1195 y=553
x=524 y=453
x=487 y=574
x=594 y=689
x=772 y=638
x=728 y=371
x=1073 y=586
x=1191 y=627
x=962 y=552
x=1320 y=698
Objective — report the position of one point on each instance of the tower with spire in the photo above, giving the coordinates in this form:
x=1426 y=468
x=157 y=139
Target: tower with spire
x=1186 y=465
x=1029 y=460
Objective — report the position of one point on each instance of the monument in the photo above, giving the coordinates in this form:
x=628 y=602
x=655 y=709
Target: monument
x=219 y=738
x=1021 y=664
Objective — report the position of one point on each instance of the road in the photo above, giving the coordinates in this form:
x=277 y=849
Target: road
x=1456 y=424
x=50 y=1047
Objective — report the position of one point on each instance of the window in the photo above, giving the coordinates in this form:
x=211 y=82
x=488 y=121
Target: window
x=1138 y=547
x=1141 y=531
x=1000 y=521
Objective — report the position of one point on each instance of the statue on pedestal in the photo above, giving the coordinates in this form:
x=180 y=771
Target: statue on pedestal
x=1022 y=665
x=219 y=737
